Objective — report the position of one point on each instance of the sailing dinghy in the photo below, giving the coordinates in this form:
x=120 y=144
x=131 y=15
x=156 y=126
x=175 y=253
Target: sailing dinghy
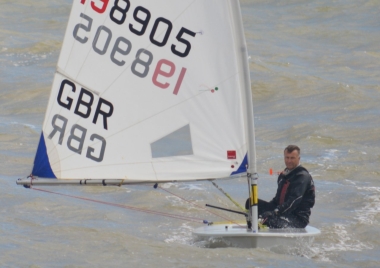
x=152 y=92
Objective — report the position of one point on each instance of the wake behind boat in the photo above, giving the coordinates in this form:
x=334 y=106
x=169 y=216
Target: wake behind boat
x=151 y=92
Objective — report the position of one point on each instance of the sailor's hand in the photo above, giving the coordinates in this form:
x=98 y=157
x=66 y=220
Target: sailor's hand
x=267 y=214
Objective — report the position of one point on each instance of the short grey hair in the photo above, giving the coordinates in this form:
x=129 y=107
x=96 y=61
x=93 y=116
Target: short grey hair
x=291 y=148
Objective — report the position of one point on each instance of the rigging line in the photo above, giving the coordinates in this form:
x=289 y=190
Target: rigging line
x=229 y=197
x=164 y=214
x=192 y=203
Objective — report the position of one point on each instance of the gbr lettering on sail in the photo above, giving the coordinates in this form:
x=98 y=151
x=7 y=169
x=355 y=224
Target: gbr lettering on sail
x=82 y=107
x=117 y=50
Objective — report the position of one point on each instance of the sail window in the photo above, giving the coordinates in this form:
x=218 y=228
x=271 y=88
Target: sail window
x=177 y=143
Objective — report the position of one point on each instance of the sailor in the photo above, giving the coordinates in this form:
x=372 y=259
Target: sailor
x=291 y=207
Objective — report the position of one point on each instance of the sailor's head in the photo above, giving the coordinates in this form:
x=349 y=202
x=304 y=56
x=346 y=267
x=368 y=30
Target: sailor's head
x=292 y=156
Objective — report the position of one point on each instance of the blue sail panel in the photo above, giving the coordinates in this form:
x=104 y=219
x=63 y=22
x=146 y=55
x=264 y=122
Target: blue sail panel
x=42 y=166
x=243 y=166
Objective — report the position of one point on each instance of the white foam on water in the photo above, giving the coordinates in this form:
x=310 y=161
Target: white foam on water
x=326 y=160
x=369 y=212
x=341 y=240
x=26 y=59
x=182 y=235
x=168 y=185
x=184 y=186
x=24 y=124
x=331 y=154
x=192 y=187
x=175 y=201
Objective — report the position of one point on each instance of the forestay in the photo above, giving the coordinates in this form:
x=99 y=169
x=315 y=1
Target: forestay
x=148 y=91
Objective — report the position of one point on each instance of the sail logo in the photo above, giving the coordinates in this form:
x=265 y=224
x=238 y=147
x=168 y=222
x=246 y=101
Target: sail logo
x=83 y=108
x=231 y=154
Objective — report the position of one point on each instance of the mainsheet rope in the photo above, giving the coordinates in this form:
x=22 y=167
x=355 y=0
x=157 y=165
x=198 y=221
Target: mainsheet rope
x=181 y=217
x=164 y=214
x=225 y=218
x=229 y=197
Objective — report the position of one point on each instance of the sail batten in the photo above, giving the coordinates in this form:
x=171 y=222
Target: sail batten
x=146 y=93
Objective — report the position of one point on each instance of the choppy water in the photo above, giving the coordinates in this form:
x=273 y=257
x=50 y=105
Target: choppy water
x=314 y=69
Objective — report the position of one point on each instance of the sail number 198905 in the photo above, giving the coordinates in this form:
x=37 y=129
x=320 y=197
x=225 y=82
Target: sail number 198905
x=121 y=47
x=141 y=15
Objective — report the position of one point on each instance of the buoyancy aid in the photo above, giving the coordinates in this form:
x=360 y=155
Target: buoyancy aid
x=295 y=193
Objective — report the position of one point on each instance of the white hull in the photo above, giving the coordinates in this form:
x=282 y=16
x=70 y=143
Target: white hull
x=238 y=236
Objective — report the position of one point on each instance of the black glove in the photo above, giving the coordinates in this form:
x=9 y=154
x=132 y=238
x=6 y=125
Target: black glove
x=267 y=214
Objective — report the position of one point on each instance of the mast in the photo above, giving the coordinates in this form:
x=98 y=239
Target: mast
x=249 y=119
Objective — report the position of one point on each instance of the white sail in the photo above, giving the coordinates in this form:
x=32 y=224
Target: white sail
x=149 y=91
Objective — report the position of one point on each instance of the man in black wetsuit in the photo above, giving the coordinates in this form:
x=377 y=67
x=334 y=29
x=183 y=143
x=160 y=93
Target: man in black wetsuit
x=291 y=207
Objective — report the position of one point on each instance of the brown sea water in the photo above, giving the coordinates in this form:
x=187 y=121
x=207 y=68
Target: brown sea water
x=314 y=71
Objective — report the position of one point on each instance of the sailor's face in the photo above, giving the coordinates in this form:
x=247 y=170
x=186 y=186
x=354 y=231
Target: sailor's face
x=292 y=159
